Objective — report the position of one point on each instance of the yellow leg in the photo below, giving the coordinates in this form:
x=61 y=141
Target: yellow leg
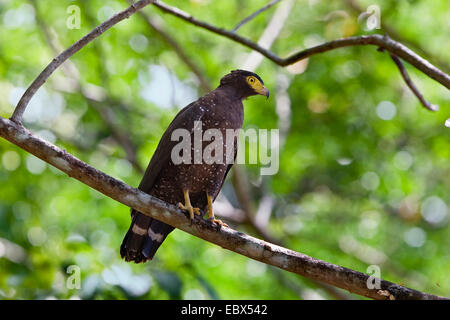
x=187 y=205
x=211 y=213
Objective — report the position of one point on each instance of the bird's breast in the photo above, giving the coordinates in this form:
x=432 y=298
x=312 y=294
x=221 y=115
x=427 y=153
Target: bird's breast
x=228 y=114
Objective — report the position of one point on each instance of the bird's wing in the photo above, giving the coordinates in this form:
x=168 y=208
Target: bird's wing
x=229 y=167
x=184 y=119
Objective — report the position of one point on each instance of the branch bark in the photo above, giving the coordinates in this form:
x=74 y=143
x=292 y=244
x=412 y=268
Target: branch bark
x=227 y=238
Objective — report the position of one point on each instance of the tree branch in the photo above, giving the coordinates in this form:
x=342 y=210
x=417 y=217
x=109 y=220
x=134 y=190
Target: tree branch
x=269 y=35
x=376 y=40
x=227 y=238
x=66 y=54
x=228 y=34
x=411 y=85
x=395 y=35
x=254 y=14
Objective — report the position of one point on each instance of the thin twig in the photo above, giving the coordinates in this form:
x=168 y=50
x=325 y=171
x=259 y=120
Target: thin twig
x=270 y=34
x=411 y=85
x=228 y=34
x=227 y=238
x=376 y=40
x=66 y=54
x=254 y=14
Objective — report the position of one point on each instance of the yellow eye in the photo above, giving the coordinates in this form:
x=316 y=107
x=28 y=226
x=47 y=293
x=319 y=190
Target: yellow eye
x=257 y=86
x=251 y=80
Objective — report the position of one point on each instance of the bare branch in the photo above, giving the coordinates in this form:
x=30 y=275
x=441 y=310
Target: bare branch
x=383 y=42
x=254 y=14
x=227 y=238
x=411 y=85
x=228 y=34
x=270 y=34
x=376 y=40
x=66 y=54
x=395 y=35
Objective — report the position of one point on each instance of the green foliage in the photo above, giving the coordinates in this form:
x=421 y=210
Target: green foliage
x=352 y=189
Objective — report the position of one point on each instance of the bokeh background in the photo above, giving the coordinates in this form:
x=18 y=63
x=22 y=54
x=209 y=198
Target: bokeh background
x=364 y=174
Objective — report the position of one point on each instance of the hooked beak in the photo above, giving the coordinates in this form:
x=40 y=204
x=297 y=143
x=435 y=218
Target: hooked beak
x=264 y=92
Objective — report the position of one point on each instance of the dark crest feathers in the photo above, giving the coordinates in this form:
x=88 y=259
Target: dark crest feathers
x=231 y=77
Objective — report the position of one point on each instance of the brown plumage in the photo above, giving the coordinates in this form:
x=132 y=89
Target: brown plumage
x=220 y=109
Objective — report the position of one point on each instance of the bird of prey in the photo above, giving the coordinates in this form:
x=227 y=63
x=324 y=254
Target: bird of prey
x=192 y=186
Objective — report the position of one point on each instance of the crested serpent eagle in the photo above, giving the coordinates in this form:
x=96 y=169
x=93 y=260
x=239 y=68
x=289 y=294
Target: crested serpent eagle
x=193 y=186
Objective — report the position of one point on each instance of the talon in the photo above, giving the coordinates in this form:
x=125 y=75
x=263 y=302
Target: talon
x=211 y=216
x=188 y=206
x=218 y=222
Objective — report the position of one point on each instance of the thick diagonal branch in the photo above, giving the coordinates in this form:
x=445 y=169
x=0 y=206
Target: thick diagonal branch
x=227 y=238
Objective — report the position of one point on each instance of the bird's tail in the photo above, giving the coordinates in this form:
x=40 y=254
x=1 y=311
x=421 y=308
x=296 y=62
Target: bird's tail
x=143 y=238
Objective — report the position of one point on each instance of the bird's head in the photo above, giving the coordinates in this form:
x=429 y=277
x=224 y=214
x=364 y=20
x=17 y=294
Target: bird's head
x=245 y=83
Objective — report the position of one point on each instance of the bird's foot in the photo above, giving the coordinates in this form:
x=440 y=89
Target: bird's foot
x=211 y=217
x=218 y=222
x=188 y=206
x=190 y=209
